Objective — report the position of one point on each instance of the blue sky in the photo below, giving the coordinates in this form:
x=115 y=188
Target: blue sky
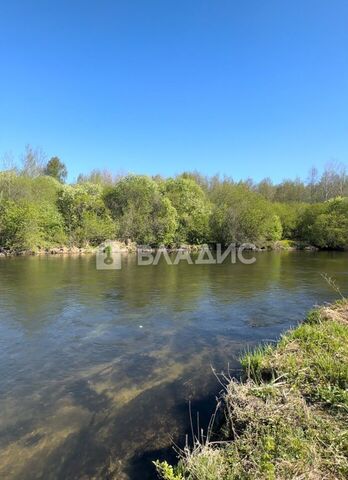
x=245 y=88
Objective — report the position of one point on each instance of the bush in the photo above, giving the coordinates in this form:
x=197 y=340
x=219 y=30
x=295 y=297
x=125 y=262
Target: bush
x=142 y=212
x=187 y=209
x=241 y=215
x=325 y=225
x=289 y=215
x=86 y=218
x=30 y=226
x=192 y=207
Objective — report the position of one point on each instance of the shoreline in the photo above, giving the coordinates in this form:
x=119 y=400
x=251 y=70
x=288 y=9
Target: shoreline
x=123 y=247
x=287 y=416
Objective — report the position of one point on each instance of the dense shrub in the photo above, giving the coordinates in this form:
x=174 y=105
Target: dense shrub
x=30 y=226
x=37 y=210
x=330 y=227
x=86 y=217
x=142 y=212
x=241 y=215
x=192 y=207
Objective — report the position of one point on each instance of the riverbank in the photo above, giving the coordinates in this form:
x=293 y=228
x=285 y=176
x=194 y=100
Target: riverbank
x=288 y=417
x=71 y=250
x=132 y=247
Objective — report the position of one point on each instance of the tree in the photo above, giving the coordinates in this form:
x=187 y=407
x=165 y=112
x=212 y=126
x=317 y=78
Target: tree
x=36 y=210
x=333 y=182
x=289 y=215
x=30 y=226
x=312 y=183
x=241 y=215
x=100 y=177
x=86 y=217
x=16 y=187
x=291 y=191
x=330 y=228
x=56 y=169
x=197 y=177
x=266 y=188
x=142 y=211
x=193 y=208
x=33 y=162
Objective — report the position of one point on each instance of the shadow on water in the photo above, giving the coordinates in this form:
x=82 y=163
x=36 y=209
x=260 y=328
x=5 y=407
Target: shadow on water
x=140 y=467
x=121 y=445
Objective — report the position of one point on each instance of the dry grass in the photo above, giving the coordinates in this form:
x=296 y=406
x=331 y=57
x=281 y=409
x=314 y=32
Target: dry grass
x=339 y=313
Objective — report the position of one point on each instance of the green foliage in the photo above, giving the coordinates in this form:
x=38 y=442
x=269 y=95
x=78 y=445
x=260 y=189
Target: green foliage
x=85 y=215
x=19 y=187
x=142 y=212
x=193 y=208
x=273 y=228
x=44 y=189
x=330 y=228
x=166 y=471
x=291 y=191
x=314 y=357
x=187 y=209
x=266 y=189
x=51 y=225
x=30 y=226
x=306 y=220
x=93 y=229
x=56 y=169
x=241 y=215
x=313 y=316
x=289 y=215
x=325 y=225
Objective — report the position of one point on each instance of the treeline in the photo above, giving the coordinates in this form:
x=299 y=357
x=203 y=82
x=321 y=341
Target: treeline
x=38 y=210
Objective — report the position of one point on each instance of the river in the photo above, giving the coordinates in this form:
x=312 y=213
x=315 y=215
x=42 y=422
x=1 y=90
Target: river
x=97 y=368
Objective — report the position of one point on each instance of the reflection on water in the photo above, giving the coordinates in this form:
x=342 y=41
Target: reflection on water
x=98 y=367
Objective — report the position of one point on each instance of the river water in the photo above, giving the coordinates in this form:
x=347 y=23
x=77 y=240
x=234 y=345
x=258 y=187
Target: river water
x=97 y=368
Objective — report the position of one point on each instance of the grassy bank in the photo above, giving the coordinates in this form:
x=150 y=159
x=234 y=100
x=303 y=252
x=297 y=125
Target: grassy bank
x=288 y=418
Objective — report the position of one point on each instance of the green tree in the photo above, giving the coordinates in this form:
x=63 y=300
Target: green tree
x=290 y=215
x=56 y=169
x=266 y=188
x=241 y=215
x=37 y=210
x=21 y=187
x=330 y=227
x=193 y=208
x=141 y=210
x=30 y=226
x=292 y=191
x=86 y=217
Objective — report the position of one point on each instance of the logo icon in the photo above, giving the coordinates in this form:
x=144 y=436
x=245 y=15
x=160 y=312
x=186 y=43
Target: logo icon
x=108 y=257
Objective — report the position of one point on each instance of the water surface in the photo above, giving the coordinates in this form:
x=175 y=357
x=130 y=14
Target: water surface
x=97 y=367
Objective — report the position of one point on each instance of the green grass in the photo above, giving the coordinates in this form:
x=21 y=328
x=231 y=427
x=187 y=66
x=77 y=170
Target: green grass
x=312 y=357
x=288 y=418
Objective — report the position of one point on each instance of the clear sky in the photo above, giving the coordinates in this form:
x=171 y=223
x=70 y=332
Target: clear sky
x=249 y=88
